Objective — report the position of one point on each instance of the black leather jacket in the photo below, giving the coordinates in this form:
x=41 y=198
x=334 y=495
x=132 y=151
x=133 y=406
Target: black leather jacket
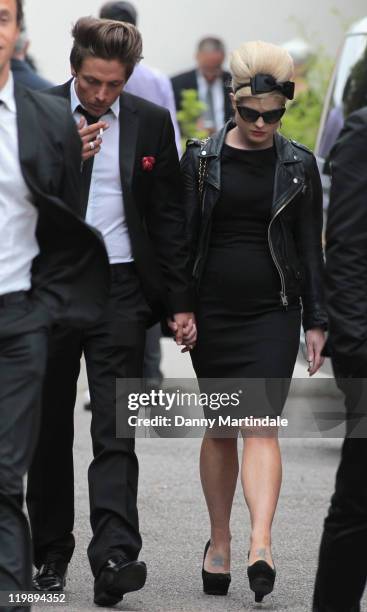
x=295 y=227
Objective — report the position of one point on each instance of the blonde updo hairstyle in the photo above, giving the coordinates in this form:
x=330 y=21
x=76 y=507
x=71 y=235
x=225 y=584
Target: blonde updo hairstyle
x=258 y=57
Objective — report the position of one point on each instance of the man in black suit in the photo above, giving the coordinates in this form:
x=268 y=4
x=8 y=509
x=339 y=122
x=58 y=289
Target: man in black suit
x=210 y=81
x=132 y=195
x=342 y=571
x=52 y=266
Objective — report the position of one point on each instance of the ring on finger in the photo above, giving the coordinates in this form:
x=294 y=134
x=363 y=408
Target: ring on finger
x=92 y=146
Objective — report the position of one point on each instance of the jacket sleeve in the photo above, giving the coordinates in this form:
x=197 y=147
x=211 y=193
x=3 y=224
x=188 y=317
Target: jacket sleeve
x=309 y=245
x=189 y=174
x=346 y=248
x=166 y=223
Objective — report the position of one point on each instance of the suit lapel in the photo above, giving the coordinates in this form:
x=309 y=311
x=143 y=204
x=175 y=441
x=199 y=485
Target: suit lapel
x=27 y=127
x=129 y=126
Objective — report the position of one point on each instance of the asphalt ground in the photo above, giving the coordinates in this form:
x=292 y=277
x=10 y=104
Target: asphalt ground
x=174 y=524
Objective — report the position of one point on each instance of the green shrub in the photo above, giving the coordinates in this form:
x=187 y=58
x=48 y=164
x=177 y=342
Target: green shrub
x=301 y=121
x=188 y=117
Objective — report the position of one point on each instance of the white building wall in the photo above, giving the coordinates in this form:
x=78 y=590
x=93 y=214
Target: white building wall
x=171 y=28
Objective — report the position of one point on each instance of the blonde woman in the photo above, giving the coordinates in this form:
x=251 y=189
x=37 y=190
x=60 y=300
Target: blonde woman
x=255 y=217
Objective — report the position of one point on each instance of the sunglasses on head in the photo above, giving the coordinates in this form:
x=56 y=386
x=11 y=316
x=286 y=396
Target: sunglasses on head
x=251 y=116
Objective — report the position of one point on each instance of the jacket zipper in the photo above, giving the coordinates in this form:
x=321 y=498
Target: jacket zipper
x=199 y=257
x=283 y=294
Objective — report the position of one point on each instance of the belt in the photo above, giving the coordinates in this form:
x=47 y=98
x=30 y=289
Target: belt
x=118 y=270
x=13 y=298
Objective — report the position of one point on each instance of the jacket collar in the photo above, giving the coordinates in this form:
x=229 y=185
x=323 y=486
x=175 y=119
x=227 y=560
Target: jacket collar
x=212 y=148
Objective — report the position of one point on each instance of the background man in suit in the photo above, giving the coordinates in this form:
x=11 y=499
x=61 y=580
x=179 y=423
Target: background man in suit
x=51 y=265
x=210 y=81
x=23 y=73
x=132 y=195
x=342 y=571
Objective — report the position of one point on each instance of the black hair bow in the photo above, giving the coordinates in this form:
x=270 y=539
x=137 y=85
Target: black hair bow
x=265 y=83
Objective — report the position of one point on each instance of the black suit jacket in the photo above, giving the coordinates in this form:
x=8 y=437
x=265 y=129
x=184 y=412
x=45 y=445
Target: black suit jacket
x=188 y=80
x=346 y=249
x=153 y=203
x=70 y=276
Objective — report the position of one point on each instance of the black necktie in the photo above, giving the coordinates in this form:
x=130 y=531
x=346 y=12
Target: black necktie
x=90 y=118
x=87 y=168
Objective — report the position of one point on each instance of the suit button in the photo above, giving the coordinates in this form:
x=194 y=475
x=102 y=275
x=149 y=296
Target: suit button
x=203 y=152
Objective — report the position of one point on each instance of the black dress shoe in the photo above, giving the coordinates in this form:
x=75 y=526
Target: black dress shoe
x=51 y=577
x=116 y=578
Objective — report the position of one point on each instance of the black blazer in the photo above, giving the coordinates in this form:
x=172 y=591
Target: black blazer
x=188 y=80
x=346 y=249
x=70 y=276
x=153 y=203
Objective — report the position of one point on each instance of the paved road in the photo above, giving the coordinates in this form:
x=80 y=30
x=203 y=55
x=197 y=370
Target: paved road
x=175 y=527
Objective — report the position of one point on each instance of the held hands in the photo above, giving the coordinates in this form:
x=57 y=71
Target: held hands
x=315 y=340
x=184 y=328
x=91 y=138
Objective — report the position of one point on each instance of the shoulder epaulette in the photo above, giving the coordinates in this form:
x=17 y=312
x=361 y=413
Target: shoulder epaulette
x=194 y=141
x=301 y=146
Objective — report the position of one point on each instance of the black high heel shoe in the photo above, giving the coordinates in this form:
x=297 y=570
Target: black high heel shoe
x=262 y=577
x=214 y=584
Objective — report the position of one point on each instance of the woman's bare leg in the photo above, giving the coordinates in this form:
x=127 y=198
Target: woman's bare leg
x=219 y=473
x=261 y=477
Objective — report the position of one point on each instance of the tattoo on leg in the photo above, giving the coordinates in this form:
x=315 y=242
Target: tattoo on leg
x=217 y=561
x=261 y=553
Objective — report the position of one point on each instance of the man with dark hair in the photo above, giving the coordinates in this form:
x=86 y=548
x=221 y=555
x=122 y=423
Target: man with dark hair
x=119 y=11
x=131 y=193
x=52 y=266
x=210 y=81
x=146 y=82
x=152 y=85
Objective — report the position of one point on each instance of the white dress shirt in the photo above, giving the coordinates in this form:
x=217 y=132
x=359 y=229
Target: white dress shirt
x=218 y=98
x=18 y=215
x=105 y=209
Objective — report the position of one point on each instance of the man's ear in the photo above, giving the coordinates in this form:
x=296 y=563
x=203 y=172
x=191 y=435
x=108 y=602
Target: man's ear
x=73 y=71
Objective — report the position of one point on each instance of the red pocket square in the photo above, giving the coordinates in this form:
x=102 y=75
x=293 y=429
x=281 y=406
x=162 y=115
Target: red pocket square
x=148 y=163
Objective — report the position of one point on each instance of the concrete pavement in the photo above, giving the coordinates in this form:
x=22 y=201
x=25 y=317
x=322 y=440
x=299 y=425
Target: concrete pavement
x=174 y=525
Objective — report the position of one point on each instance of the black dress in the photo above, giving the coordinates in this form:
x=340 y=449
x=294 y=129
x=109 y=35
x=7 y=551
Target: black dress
x=243 y=329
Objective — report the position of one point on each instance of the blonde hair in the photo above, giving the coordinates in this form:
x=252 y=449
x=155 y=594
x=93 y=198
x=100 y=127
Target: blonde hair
x=258 y=57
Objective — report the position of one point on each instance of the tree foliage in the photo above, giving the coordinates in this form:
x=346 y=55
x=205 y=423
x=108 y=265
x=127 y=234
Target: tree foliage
x=301 y=122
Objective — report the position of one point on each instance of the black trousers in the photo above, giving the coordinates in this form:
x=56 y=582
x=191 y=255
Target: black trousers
x=113 y=348
x=23 y=352
x=342 y=570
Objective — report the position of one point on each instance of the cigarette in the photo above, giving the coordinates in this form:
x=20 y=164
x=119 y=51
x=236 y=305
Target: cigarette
x=101 y=132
